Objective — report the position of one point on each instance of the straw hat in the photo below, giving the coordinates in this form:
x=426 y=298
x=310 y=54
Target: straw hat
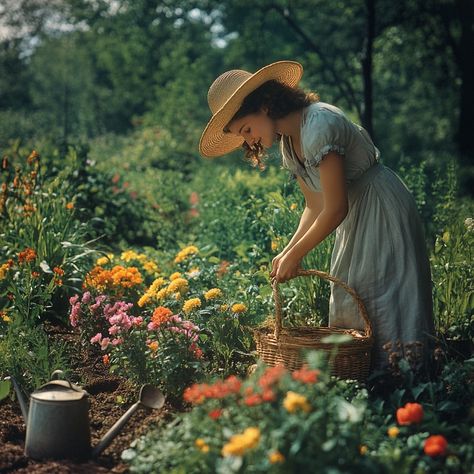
x=226 y=95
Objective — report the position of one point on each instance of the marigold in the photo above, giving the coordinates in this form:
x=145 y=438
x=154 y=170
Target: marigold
x=127 y=277
x=102 y=261
x=191 y=304
x=70 y=205
x=223 y=308
x=393 y=432
x=212 y=294
x=153 y=346
x=3 y=270
x=276 y=457
x=435 y=445
x=145 y=299
x=175 y=275
x=411 y=413
x=239 y=308
x=294 y=401
x=240 y=443
x=5 y=317
x=184 y=253
x=274 y=245
x=129 y=255
x=201 y=445
x=161 y=315
x=151 y=267
x=162 y=294
x=178 y=284
x=58 y=270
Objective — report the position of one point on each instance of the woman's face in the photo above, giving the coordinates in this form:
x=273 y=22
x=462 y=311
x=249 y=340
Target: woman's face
x=255 y=128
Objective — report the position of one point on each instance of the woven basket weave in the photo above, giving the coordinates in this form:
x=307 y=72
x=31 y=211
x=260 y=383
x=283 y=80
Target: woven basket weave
x=283 y=345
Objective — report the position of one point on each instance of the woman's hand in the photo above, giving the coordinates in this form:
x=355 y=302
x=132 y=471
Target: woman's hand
x=287 y=268
x=275 y=262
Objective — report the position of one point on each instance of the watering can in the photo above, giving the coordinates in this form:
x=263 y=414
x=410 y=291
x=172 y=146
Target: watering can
x=57 y=422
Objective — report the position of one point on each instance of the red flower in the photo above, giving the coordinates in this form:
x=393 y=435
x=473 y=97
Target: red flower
x=305 y=375
x=435 y=445
x=409 y=414
x=252 y=400
x=271 y=376
x=215 y=414
x=27 y=255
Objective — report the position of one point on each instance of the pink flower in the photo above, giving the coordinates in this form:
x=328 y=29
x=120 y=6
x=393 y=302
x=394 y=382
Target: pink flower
x=117 y=341
x=113 y=330
x=97 y=338
x=75 y=314
x=104 y=343
x=137 y=321
x=151 y=326
x=73 y=300
x=86 y=297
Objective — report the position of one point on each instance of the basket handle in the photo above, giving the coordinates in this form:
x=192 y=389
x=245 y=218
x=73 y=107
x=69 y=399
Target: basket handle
x=324 y=276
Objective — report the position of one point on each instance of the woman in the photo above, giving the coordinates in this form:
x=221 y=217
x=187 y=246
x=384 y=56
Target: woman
x=379 y=247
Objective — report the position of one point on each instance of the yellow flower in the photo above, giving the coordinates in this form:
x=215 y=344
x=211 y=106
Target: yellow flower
x=213 y=293
x=129 y=255
x=5 y=317
x=191 y=304
x=239 y=308
x=293 y=401
x=274 y=245
x=175 y=275
x=3 y=270
x=144 y=300
x=276 y=457
x=293 y=206
x=102 y=261
x=199 y=443
x=393 y=431
x=177 y=296
x=363 y=449
x=223 y=307
x=151 y=267
x=178 y=284
x=184 y=253
x=163 y=293
x=142 y=258
x=240 y=443
x=159 y=282
x=446 y=236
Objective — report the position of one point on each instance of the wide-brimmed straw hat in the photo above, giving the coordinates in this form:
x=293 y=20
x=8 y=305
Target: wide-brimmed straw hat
x=226 y=95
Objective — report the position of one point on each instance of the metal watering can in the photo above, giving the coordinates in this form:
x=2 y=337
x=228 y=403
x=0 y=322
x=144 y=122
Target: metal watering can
x=57 y=425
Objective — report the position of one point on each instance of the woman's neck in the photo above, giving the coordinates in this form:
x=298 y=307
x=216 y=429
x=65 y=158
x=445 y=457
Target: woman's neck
x=290 y=125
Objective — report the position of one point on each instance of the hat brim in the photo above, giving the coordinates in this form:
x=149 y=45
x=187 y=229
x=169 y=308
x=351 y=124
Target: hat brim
x=214 y=141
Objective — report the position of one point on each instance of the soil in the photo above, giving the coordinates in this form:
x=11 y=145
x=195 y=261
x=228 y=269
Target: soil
x=110 y=397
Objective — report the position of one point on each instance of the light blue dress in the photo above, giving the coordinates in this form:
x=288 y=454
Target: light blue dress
x=379 y=249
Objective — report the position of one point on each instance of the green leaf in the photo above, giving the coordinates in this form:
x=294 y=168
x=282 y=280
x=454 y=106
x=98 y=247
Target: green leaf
x=5 y=386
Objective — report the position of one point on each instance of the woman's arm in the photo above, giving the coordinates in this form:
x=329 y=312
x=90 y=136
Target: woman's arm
x=314 y=206
x=334 y=210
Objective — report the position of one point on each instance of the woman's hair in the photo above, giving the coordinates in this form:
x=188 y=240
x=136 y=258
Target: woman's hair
x=280 y=100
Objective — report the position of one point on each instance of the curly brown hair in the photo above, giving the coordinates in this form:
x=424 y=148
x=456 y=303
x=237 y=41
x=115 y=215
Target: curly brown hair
x=280 y=100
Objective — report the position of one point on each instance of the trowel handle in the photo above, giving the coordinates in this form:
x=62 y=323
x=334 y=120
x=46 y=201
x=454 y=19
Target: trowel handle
x=115 y=430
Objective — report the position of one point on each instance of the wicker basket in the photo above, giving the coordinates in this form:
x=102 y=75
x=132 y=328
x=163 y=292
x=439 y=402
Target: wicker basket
x=283 y=345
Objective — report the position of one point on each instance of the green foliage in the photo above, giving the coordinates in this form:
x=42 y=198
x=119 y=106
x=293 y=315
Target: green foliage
x=30 y=356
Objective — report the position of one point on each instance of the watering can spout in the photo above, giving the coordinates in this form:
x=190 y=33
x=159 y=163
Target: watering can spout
x=150 y=397
x=21 y=399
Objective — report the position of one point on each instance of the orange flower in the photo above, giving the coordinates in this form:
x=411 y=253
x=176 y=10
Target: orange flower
x=59 y=271
x=35 y=274
x=435 y=445
x=271 y=376
x=409 y=414
x=161 y=315
x=153 y=346
x=34 y=156
x=106 y=359
x=27 y=255
x=70 y=205
x=252 y=400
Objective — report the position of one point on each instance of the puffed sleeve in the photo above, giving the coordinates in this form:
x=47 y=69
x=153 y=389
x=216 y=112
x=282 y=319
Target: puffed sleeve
x=326 y=129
